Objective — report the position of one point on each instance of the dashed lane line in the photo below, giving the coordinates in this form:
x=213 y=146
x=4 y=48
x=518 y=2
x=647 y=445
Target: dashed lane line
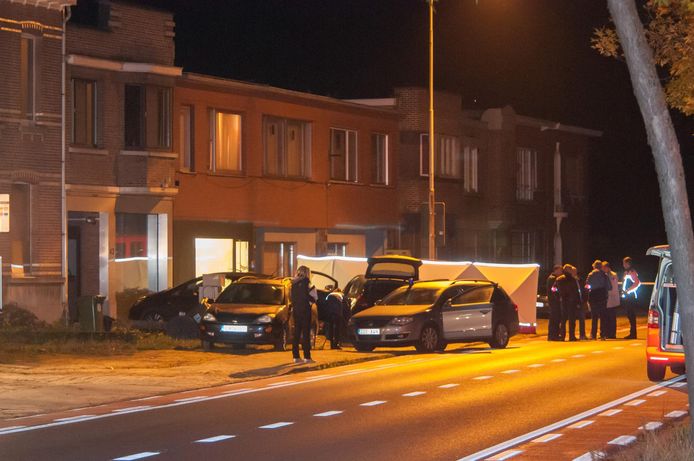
x=144 y=454
x=328 y=413
x=612 y=412
x=373 y=403
x=623 y=440
x=656 y=394
x=536 y=365
x=678 y=385
x=448 y=386
x=558 y=360
x=635 y=403
x=676 y=414
x=414 y=394
x=510 y=372
x=591 y=456
x=651 y=426
x=482 y=378
x=500 y=447
x=581 y=424
x=578 y=356
x=216 y=438
x=546 y=438
x=276 y=425
x=505 y=455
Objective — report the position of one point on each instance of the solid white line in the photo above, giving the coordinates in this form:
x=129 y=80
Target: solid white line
x=581 y=424
x=141 y=407
x=217 y=438
x=280 y=383
x=328 y=413
x=611 y=412
x=482 y=378
x=72 y=418
x=373 y=403
x=144 y=454
x=676 y=414
x=652 y=426
x=237 y=391
x=276 y=425
x=506 y=455
x=448 y=386
x=623 y=440
x=656 y=394
x=192 y=399
x=510 y=372
x=546 y=438
x=414 y=394
x=635 y=403
x=482 y=454
x=3 y=429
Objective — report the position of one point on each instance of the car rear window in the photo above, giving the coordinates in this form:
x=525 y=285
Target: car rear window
x=392 y=269
x=252 y=293
x=412 y=296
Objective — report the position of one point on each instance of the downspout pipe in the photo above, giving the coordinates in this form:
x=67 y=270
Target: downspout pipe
x=67 y=12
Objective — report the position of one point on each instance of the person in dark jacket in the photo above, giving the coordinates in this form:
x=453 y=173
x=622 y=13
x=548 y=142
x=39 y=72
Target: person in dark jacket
x=570 y=299
x=598 y=286
x=303 y=295
x=336 y=320
x=554 y=305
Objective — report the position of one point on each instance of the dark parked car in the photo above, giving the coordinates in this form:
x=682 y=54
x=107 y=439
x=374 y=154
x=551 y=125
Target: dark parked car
x=383 y=275
x=252 y=311
x=430 y=315
x=166 y=304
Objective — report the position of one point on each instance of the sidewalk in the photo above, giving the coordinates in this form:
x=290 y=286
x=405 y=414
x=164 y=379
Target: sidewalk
x=58 y=382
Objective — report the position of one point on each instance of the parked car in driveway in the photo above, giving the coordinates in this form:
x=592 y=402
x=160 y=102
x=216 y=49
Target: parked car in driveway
x=169 y=303
x=252 y=311
x=383 y=275
x=432 y=314
x=664 y=344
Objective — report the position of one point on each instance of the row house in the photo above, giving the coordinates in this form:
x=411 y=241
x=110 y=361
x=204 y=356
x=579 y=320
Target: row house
x=31 y=41
x=509 y=188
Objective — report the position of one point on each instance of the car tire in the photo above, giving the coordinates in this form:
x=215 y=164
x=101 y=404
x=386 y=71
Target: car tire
x=364 y=347
x=655 y=371
x=678 y=369
x=152 y=315
x=207 y=345
x=500 y=336
x=429 y=340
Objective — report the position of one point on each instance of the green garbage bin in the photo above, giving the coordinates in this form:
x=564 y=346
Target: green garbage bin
x=91 y=312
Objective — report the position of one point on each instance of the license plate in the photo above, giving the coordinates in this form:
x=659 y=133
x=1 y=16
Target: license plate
x=235 y=328
x=369 y=331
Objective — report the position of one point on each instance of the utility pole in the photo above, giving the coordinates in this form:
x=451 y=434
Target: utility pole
x=432 y=190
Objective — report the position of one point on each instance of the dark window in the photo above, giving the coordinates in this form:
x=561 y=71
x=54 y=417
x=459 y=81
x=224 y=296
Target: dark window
x=27 y=70
x=84 y=113
x=134 y=116
x=147 y=117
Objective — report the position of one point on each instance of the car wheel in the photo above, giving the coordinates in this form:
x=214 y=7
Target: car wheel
x=428 y=340
x=152 y=315
x=363 y=347
x=501 y=336
x=655 y=371
x=207 y=345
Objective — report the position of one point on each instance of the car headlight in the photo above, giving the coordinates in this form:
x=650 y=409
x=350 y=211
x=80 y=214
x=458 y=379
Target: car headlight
x=401 y=320
x=209 y=317
x=264 y=319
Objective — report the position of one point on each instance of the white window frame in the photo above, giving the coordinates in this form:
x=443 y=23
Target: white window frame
x=282 y=123
x=213 y=135
x=471 y=169
x=449 y=160
x=186 y=126
x=337 y=245
x=526 y=174
x=386 y=160
x=348 y=172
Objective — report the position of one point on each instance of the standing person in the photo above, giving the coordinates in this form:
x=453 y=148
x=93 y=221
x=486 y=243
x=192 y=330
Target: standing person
x=630 y=285
x=336 y=320
x=303 y=295
x=570 y=300
x=581 y=314
x=613 y=302
x=554 y=304
x=598 y=286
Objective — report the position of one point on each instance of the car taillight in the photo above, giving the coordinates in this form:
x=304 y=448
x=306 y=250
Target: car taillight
x=515 y=307
x=653 y=319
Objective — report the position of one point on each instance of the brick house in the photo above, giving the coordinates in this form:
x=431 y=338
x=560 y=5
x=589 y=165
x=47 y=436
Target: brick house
x=266 y=174
x=31 y=38
x=505 y=179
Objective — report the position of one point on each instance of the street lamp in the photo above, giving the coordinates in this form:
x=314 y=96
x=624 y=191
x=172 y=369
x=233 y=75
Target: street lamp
x=432 y=190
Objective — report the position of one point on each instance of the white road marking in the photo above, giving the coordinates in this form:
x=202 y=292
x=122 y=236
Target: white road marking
x=546 y=438
x=536 y=365
x=414 y=394
x=191 y=399
x=581 y=424
x=676 y=414
x=216 y=438
x=618 y=348
x=236 y=391
x=656 y=394
x=651 y=426
x=505 y=455
x=147 y=398
x=328 y=413
x=612 y=412
x=144 y=454
x=598 y=352
x=276 y=425
x=510 y=372
x=72 y=418
x=623 y=440
x=578 y=356
x=141 y=407
x=318 y=378
x=591 y=456
x=3 y=429
x=635 y=344
x=558 y=360
x=281 y=383
x=482 y=378
x=373 y=403
x=449 y=386
x=682 y=384
x=483 y=454
x=635 y=403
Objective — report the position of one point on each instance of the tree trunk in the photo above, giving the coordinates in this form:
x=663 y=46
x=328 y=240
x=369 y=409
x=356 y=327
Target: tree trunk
x=668 y=163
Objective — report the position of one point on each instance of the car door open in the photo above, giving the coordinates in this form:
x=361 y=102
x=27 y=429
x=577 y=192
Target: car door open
x=469 y=314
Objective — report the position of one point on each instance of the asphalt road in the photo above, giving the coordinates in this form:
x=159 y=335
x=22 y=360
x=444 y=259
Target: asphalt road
x=410 y=407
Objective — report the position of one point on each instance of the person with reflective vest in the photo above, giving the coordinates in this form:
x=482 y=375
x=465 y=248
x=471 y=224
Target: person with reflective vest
x=630 y=287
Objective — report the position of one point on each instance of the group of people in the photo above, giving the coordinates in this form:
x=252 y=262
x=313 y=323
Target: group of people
x=601 y=293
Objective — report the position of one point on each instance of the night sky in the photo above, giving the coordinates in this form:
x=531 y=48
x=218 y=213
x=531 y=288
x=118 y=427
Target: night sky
x=532 y=54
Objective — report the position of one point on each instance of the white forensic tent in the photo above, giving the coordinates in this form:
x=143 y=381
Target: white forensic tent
x=518 y=280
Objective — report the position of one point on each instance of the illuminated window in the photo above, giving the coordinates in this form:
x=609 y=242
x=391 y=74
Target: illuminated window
x=379 y=149
x=336 y=249
x=84 y=113
x=343 y=155
x=147 y=117
x=526 y=174
x=470 y=169
x=225 y=132
x=4 y=212
x=27 y=72
x=185 y=133
x=287 y=147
